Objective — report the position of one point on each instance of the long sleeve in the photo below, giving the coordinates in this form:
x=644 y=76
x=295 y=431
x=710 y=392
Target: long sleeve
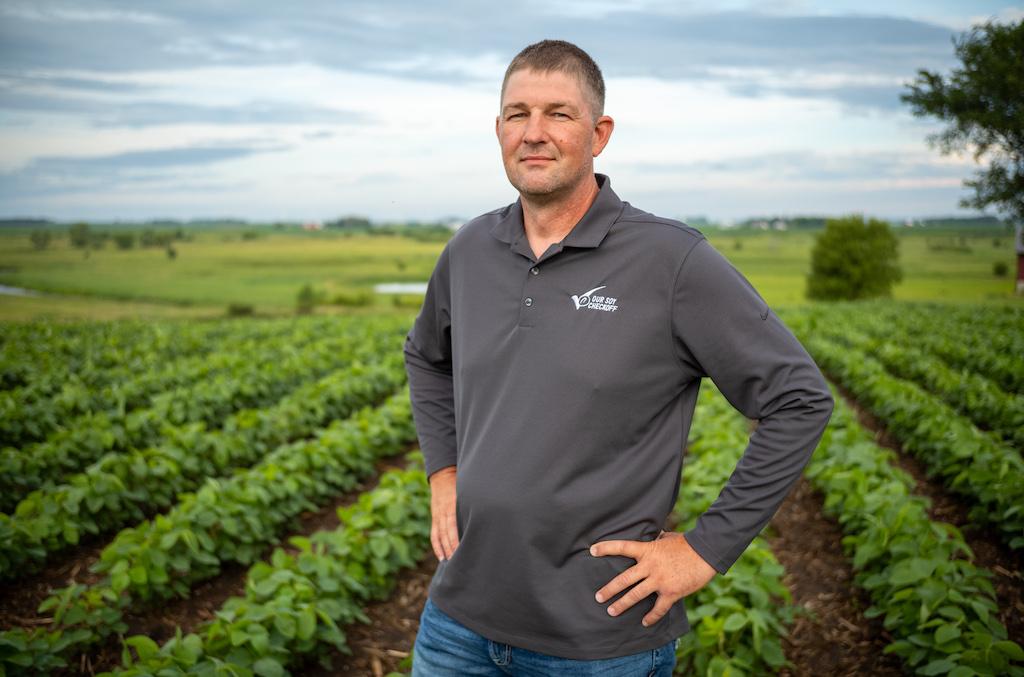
x=724 y=329
x=428 y=363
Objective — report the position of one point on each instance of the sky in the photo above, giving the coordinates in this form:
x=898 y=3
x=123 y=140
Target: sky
x=310 y=111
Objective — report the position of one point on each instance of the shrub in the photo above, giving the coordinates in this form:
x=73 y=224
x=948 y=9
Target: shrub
x=407 y=300
x=240 y=309
x=1000 y=269
x=854 y=259
x=40 y=239
x=125 y=240
x=79 y=235
x=305 y=300
x=358 y=298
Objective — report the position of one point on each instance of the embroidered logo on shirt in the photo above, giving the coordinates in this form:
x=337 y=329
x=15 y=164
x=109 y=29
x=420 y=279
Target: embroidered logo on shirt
x=589 y=300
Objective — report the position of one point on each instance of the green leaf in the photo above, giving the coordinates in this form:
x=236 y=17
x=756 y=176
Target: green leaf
x=734 y=622
x=285 y=625
x=946 y=632
x=268 y=667
x=911 y=570
x=1012 y=650
x=380 y=546
x=938 y=667
x=771 y=651
x=144 y=646
x=307 y=623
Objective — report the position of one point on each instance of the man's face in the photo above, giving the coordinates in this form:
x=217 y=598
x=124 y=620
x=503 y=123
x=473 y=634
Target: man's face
x=548 y=134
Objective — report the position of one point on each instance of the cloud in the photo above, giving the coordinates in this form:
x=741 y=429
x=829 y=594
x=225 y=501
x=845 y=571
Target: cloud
x=146 y=113
x=430 y=43
x=48 y=81
x=52 y=175
x=38 y=12
x=817 y=167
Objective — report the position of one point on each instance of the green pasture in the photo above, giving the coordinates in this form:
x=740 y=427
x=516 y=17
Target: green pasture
x=217 y=268
x=944 y=266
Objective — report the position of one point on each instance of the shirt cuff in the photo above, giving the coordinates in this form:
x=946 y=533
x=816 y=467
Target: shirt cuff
x=705 y=551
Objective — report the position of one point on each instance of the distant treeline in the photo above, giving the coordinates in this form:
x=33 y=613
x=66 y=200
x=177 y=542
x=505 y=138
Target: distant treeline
x=432 y=230
x=810 y=223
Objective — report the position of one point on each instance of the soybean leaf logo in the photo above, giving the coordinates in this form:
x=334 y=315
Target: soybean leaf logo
x=584 y=298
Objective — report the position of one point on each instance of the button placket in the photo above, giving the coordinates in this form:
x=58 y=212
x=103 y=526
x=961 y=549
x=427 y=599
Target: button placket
x=528 y=301
x=528 y=309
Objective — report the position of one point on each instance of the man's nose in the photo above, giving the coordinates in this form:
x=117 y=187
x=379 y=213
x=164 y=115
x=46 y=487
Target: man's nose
x=534 y=132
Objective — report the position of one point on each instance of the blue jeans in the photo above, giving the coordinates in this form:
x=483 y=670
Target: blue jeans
x=446 y=648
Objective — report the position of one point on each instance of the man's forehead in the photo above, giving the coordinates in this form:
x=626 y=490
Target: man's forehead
x=529 y=84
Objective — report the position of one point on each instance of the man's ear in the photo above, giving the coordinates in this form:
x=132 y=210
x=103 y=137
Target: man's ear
x=497 y=123
x=602 y=133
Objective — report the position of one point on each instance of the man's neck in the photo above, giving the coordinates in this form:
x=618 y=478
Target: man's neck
x=549 y=221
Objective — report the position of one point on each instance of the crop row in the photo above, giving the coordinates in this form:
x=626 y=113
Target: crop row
x=254 y=384
x=999 y=328
x=230 y=520
x=42 y=354
x=976 y=396
x=737 y=620
x=294 y=606
x=32 y=413
x=936 y=604
x=971 y=346
x=121 y=489
x=969 y=461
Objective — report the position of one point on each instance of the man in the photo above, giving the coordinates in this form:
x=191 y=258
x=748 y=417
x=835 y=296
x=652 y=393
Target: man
x=554 y=369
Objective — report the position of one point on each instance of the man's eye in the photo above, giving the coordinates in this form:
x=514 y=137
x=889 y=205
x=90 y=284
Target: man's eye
x=515 y=115
x=561 y=115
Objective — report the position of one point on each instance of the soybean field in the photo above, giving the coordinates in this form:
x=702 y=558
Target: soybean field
x=245 y=497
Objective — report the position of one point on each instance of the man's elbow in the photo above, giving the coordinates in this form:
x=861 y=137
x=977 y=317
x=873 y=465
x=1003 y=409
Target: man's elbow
x=824 y=404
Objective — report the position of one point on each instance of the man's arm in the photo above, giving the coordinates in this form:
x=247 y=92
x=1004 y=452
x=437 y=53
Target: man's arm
x=428 y=364
x=724 y=329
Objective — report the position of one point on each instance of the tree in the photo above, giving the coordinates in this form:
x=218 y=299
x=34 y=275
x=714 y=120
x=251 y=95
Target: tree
x=125 y=240
x=983 y=103
x=79 y=235
x=305 y=300
x=854 y=259
x=40 y=239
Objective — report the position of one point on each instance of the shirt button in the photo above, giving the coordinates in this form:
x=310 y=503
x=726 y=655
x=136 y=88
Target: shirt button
x=534 y=271
x=528 y=301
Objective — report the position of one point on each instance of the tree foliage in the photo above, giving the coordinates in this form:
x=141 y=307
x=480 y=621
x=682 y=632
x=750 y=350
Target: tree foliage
x=854 y=259
x=983 y=103
x=79 y=235
x=40 y=239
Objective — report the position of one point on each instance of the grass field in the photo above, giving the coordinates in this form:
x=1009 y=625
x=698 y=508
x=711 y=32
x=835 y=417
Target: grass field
x=216 y=269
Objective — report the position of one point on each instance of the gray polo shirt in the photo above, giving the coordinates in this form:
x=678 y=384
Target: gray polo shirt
x=562 y=388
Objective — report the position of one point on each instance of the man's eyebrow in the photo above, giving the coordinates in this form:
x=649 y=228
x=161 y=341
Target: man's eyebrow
x=519 y=105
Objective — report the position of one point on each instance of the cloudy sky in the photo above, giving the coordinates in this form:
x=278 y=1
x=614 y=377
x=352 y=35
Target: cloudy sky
x=307 y=111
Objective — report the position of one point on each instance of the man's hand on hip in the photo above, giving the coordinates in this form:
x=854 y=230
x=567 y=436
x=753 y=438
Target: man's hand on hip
x=444 y=530
x=668 y=566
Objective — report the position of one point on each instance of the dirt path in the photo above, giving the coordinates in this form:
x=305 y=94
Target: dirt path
x=20 y=598
x=834 y=637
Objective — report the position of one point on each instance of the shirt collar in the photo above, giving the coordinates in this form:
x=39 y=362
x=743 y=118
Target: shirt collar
x=589 y=231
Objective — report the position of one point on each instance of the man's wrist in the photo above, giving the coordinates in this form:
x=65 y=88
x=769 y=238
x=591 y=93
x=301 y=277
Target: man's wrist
x=442 y=472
